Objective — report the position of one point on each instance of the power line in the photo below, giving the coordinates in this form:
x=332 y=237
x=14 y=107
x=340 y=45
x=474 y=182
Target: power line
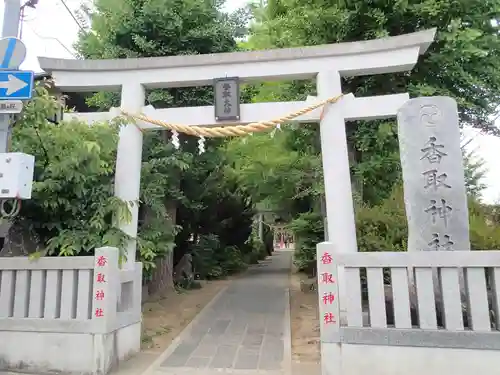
x=72 y=15
x=52 y=38
x=22 y=18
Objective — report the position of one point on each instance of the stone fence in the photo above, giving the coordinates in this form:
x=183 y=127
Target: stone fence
x=383 y=323
x=75 y=315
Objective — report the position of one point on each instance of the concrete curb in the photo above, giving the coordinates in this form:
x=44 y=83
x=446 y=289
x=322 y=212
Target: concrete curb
x=287 y=341
x=184 y=334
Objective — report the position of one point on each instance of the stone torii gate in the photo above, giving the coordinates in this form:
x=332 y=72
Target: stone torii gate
x=327 y=63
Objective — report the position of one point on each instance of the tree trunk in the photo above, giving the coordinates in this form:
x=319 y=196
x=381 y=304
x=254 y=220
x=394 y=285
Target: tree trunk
x=162 y=281
x=323 y=214
x=356 y=183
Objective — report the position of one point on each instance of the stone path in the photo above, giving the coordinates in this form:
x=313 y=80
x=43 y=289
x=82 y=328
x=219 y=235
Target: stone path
x=245 y=331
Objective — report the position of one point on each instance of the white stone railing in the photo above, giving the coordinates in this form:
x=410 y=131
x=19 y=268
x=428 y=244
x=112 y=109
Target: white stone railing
x=407 y=303
x=68 y=302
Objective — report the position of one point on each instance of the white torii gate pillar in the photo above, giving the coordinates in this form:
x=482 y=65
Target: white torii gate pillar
x=341 y=223
x=128 y=166
x=341 y=227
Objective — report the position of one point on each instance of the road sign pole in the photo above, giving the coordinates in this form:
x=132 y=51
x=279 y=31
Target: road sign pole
x=4 y=132
x=11 y=18
x=10 y=28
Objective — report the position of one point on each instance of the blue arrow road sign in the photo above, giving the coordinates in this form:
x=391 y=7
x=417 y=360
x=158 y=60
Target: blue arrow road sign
x=16 y=84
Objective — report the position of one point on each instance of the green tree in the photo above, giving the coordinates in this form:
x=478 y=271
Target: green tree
x=474 y=171
x=147 y=28
x=72 y=207
x=280 y=170
x=461 y=63
x=150 y=28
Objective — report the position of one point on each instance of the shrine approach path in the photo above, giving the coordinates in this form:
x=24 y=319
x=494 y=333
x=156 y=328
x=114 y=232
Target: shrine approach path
x=244 y=330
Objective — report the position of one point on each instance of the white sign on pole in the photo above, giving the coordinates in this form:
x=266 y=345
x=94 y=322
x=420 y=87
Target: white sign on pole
x=11 y=106
x=12 y=53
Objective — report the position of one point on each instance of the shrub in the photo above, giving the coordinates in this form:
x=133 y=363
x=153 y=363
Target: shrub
x=268 y=240
x=231 y=260
x=259 y=251
x=308 y=229
x=73 y=209
x=204 y=262
x=211 y=261
x=384 y=228
x=484 y=226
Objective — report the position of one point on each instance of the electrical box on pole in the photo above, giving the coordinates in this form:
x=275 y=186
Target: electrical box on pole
x=16 y=175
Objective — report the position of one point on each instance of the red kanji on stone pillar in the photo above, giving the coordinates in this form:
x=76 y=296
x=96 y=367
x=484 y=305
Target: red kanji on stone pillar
x=99 y=295
x=327 y=278
x=100 y=278
x=101 y=261
x=329 y=318
x=328 y=298
x=99 y=313
x=326 y=258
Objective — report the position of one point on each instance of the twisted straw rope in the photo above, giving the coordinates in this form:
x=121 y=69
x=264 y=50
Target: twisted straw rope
x=232 y=130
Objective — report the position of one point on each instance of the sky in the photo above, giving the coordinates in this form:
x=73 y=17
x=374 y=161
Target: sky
x=45 y=37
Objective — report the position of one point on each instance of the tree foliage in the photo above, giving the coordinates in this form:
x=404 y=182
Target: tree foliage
x=73 y=209
x=474 y=172
x=132 y=28
x=72 y=206
x=181 y=181
x=461 y=63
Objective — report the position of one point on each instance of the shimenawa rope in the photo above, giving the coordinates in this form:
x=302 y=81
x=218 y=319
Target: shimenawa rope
x=232 y=130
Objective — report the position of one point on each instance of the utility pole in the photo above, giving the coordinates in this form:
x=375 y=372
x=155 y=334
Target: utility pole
x=16 y=168
x=11 y=18
x=10 y=27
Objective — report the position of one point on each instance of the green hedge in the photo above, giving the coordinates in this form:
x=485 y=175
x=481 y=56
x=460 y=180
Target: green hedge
x=384 y=228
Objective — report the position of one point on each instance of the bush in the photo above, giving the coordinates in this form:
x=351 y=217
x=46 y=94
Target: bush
x=204 y=262
x=73 y=209
x=308 y=229
x=188 y=284
x=384 y=228
x=268 y=240
x=259 y=251
x=484 y=226
x=231 y=260
x=211 y=261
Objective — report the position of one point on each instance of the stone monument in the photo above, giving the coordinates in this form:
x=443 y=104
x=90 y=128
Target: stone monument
x=434 y=185
x=433 y=175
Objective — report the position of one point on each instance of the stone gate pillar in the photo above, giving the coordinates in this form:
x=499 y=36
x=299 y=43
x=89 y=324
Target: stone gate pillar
x=341 y=226
x=128 y=164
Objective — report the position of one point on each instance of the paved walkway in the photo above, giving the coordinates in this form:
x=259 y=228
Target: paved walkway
x=245 y=330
